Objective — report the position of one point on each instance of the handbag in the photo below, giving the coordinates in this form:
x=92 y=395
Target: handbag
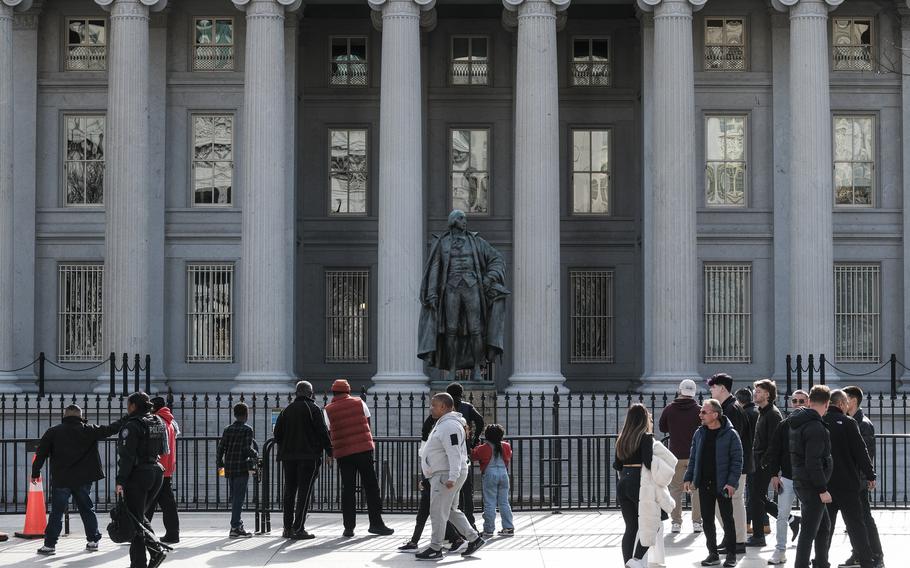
x=122 y=527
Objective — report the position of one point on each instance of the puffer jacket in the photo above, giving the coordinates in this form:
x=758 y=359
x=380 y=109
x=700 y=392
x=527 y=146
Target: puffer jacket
x=810 y=449
x=728 y=456
x=445 y=449
x=654 y=494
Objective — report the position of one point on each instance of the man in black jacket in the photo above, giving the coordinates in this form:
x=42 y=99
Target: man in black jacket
x=810 y=457
x=850 y=458
x=302 y=438
x=72 y=447
x=768 y=419
x=475 y=429
x=867 y=429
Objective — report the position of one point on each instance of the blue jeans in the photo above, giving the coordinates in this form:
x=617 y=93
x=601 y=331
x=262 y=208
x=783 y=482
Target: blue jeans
x=238 y=496
x=60 y=500
x=784 y=504
x=496 y=493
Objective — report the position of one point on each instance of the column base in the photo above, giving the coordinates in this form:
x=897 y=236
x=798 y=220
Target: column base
x=668 y=381
x=903 y=383
x=268 y=382
x=9 y=383
x=102 y=384
x=399 y=382
x=521 y=383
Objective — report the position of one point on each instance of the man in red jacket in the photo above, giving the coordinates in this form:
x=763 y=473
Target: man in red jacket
x=348 y=420
x=165 y=498
x=680 y=419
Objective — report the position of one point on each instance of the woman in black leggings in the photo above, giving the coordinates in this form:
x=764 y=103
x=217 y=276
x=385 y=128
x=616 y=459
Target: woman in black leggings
x=633 y=450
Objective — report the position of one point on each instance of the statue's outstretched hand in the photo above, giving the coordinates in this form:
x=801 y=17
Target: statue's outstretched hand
x=432 y=302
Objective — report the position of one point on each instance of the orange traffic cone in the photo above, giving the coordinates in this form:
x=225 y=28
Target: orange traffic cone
x=35 y=513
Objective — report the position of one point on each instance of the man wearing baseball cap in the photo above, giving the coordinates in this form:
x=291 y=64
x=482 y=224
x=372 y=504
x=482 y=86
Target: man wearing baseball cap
x=348 y=420
x=680 y=420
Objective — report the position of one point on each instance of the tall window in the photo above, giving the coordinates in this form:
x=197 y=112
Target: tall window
x=469 y=170
x=210 y=313
x=347 y=316
x=725 y=45
x=852 y=49
x=79 y=312
x=857 y=313
x=728 y=313
x=725 y=165
x=590 y=62
x=348 y=171
x=213 y=159
x=591 y=171
x=84 y=161
x=86 y=44
x=854 y=160
x=469 y=60
x=348 y=62
x=591 y=316
x=213 y=44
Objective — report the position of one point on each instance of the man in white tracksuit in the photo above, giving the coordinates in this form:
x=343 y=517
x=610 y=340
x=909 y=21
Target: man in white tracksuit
x=444 y=460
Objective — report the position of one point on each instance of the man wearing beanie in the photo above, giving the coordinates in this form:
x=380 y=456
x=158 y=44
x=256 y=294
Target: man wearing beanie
x=680 y=419
x=348 y=420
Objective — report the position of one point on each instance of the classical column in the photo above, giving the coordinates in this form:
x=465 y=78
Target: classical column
x=7 y=233
x=536 y=271
x=905 y=162
x=401 y=235
x=674 y=344
x=266 y=245
x=811 y=266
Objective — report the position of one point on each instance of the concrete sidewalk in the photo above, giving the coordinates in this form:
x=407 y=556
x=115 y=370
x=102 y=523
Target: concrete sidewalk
x=579 y=540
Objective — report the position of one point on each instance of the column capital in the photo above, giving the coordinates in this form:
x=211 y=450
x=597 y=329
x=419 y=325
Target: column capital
x=423 y=9
x=382 y=5
x=152 y=5
x=18 y=5
x=516 y=5
x=787 y=5
x=288 y=5
x=652 y=5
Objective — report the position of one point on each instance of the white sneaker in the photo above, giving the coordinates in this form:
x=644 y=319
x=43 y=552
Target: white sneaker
x=676 y=527
x=636 y=563
x=779 y=557
x=91 y=546
x=696 y=527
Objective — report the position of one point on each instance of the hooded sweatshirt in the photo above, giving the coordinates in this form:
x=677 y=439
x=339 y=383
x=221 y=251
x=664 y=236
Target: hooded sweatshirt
x=445 y=450
x=169 y=460
x=680 y=420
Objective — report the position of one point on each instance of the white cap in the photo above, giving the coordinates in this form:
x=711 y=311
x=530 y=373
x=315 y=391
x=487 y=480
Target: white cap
x=687 y=388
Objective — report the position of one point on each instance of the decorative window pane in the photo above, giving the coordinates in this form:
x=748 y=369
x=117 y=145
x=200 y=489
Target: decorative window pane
x=590 y=62
x=347 y=316
x=469 y=170
x=725 y=166
x=470 y=60
x=348 y=61
x=591 y=316
x=83 y=164
x=79 y=315
x=725 y=44
x=857 y=313
x=854 y=160
x=591 y=171
x=213 y=44
x=210 y=313
x=852 y=39
x=213 y=159
x=728 y=313
x=86 y=44
x=348 y=172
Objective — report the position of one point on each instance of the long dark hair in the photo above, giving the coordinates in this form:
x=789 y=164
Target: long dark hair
x=493 y=435
x=637 y=424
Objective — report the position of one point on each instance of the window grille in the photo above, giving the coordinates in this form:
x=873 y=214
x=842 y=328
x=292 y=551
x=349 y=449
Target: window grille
x=591 y=316
x=590 y=62
x=348 y=62
x=213 y=44
x=84 y=161
x=347 y=316
x=80 y=312
x=469 y=170
x=725 y=165
x=728 y=313
x=854 y=160
x=213 y=159
x=725 y=46
x=852 y=44
x=470 y=60
x=86 y=44
x=591 y=171
x=348 y=171
x=857 y=313
x=210 y=313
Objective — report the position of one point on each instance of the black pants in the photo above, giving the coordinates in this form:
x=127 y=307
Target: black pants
x=299 y=480
x=875 y=542
x=165 y=500
x=627 y=493
x=709 y=497
x=466 y=498
x=848 y=503
x=351 y=466
x=423 y=513
x=815 y=527
x=759 y=505
x=139 y=492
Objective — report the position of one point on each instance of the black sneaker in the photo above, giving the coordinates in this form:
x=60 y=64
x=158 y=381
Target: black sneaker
x=740 y=548
x=287 y=533
x=474 y=546
x=711 y=560
x=302 y=535
x=755 y=541
x=239 y=532
x=408 y=546
x=851 y=562
x=429 y=554
x=794 y=526
x=730 y=562
x=381 y=530
x=156 y=558
x=348 y=533
x=170 y=539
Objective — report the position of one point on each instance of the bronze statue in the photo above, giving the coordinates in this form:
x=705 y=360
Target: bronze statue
x=463 y=295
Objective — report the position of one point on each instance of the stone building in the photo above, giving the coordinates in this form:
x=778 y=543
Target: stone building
x=245 y=189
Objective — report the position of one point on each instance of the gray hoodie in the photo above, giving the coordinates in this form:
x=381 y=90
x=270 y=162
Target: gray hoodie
x=445 y=449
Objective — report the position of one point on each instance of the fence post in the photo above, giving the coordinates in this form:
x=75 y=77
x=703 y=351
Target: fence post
x=113 y=365
x=556 y=458
x=893 y=376
x=789 y=374
x=799 y=372
x=811 y=370
x=148 y=373
x=136 y=372
x=126 y=374
x=41 y=375
x=821 y=368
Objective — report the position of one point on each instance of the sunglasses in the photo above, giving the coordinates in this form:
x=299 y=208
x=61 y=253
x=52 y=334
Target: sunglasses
x=700 y=412
x=799 y=401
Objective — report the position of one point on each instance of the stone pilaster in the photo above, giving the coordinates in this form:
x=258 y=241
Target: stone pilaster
x=905 y=162
x=266 y=246
x=672 y=217
x=536 y=300
x=401 y=234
